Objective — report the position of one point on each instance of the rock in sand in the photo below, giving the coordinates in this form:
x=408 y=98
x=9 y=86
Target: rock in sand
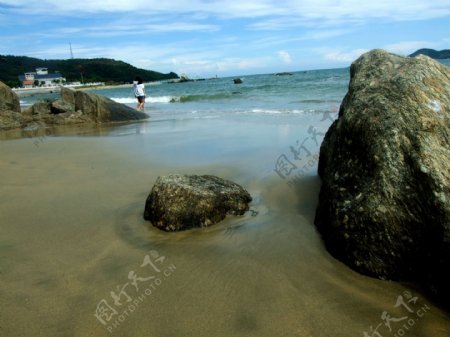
x=384 y=204
x=178 y=202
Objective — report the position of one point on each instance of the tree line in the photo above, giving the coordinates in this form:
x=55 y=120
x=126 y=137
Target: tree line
x=76 y=70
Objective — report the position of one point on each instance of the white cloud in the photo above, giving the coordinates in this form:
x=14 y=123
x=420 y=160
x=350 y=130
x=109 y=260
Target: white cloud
x=325 y=34
x=340 y=56
x=166 y=57
x=285 y=57
x=354 y=9
x=145 y=29
x=229 y=8
x=215 y=36
x=184 y=64
x=317 y=10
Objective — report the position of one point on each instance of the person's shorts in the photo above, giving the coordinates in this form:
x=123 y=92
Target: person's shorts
x=141 y=99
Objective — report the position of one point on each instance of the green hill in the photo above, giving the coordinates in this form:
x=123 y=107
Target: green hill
x=93 y=70
x=434 y=54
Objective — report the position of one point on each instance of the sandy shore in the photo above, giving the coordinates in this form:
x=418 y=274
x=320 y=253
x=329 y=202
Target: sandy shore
x=72 y=240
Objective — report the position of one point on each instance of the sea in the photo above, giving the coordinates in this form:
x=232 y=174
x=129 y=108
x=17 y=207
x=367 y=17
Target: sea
x=292 y=96
x=283 y=97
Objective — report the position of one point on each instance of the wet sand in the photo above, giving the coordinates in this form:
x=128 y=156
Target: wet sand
x=72 y=237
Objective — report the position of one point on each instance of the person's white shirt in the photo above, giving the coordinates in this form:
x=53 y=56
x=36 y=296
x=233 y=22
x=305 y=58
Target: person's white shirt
x=139 y=89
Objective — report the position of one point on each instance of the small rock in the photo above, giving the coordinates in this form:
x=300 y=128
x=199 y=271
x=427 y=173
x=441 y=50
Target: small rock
x=59 y=106
x=178 y=202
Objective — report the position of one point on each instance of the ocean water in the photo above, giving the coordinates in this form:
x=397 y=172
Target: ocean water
x=300 y=106
x=297 y=94
x=315 y=92
x=305 y=92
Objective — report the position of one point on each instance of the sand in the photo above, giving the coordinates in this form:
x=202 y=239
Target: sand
x=72 y=232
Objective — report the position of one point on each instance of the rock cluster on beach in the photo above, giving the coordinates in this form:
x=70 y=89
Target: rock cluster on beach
x=10 y=115
x=384 y=204
x=178 y=202
x=74 y=107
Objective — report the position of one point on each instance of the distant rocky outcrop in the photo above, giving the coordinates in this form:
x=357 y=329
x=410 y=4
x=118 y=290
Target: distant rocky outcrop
x=283 y=74
x=178 y=202
x=384 y=204
x=74 y=107
x=434 y=54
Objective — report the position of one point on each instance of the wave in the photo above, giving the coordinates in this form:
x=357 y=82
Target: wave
x=23 y=103
x=205 y=97
x=178 y=99
x=276 y=112
x=316 y=101
x=148 y=99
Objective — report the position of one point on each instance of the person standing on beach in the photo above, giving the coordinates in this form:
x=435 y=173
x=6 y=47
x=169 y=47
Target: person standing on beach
x=139 y=92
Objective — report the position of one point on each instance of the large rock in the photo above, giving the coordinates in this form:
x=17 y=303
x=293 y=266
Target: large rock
x=384 y=204
x=179 y=202
x=10 y=116
x=99 y=108
x=11 y=120
x=8 y=99
x=74 y=107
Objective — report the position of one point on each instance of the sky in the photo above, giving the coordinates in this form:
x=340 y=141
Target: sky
x=205 y=38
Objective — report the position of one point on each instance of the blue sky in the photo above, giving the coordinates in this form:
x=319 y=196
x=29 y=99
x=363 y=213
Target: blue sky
x=203 y=38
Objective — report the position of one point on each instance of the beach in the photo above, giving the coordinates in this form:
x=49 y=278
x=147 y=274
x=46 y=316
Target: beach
x=78 y=259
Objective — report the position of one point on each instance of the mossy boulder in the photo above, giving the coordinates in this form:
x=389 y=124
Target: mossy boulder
x=384 y=205
x=178 y=202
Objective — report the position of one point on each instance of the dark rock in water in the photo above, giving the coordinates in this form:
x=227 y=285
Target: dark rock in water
x=283 y=74
x=384 y=204
x=237 y=81
x=178 y=202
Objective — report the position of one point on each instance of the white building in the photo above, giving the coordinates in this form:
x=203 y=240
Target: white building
x=41 y=78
